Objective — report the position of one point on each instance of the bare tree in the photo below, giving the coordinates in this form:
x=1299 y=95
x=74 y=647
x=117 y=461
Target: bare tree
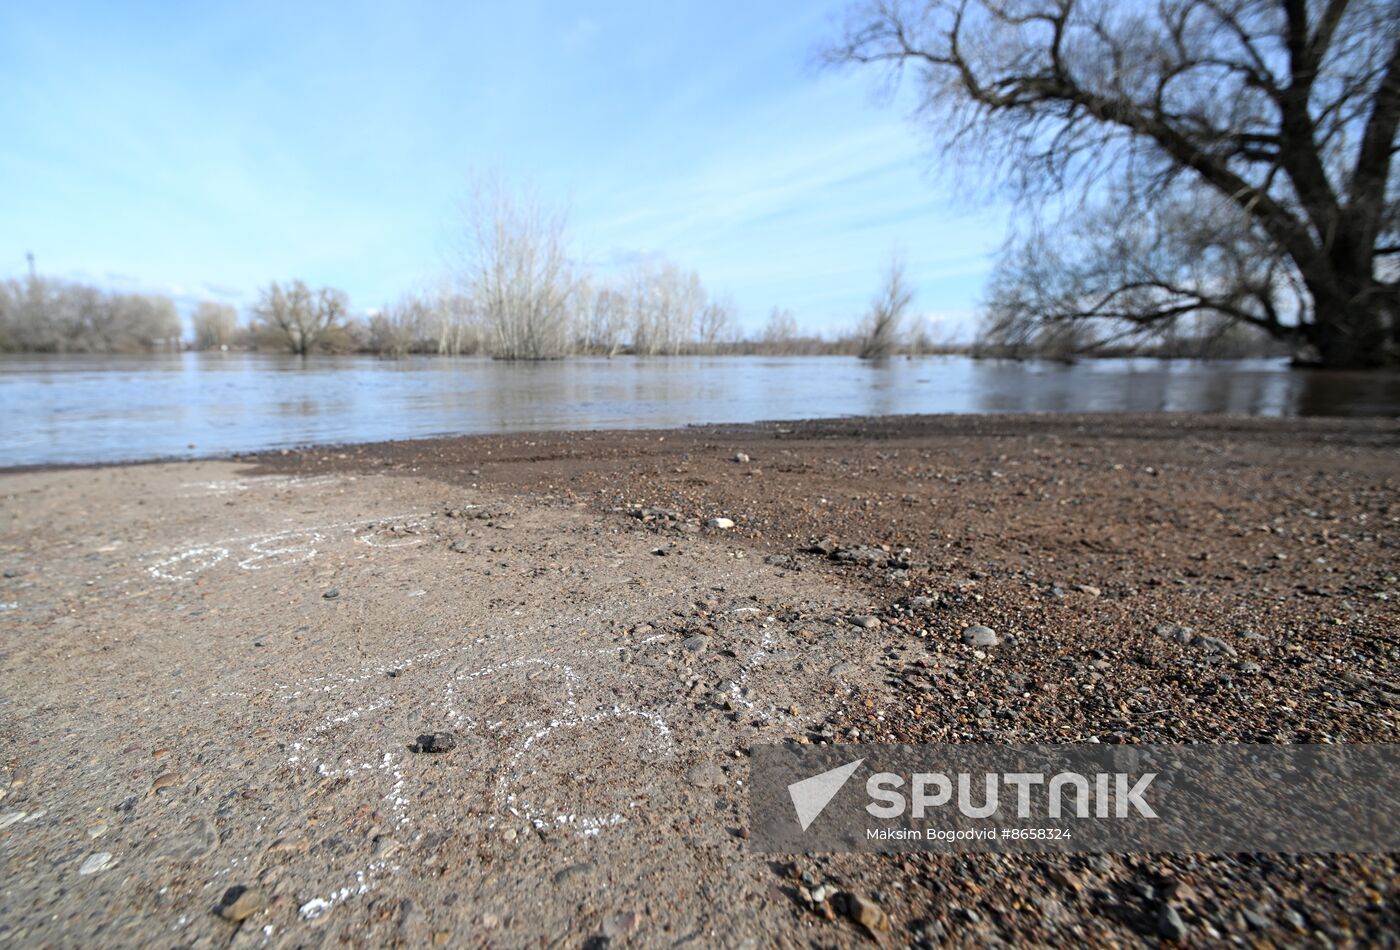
x=515 y=265
x=607 y=315
x=457 y=328
x=302 y=319
x=403 y=327
x=717 y=323
x=665 y=303
x=215 y=325
x=779 y=332
x=1275 y=119
x=882 y=328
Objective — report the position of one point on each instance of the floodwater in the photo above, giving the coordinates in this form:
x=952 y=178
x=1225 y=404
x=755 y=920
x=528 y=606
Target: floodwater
x=56 y=409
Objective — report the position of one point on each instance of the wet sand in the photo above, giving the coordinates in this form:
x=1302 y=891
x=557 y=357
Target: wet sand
x=212 y=674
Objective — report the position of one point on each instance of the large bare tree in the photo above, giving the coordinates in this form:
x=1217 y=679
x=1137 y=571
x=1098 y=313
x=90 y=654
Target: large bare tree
x=300 y=318
x=515 y=265
x=1236 y=156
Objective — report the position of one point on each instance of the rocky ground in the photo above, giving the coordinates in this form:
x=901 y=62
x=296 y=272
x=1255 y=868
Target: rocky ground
x=500 y=691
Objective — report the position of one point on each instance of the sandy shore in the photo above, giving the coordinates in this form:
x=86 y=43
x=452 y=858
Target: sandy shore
x=211 y=675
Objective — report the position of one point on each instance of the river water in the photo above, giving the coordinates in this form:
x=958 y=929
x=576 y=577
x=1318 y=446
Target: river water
x=111 y=408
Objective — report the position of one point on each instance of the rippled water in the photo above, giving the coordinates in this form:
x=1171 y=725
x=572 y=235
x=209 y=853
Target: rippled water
x=104 y=408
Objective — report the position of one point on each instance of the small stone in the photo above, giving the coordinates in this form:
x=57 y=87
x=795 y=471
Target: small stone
x=705 y=776
x=1169 y=923
x=240 y=903
x=331 y=594
x=979 y=636
x=1214 y=645
x=740 y=457
x=191 y=841
x=434 y=742
x=845 y=669
x=581 y=869
x=165 y=780
x=1256 y=917
x=458 y=547
x=866 y=913
x=695 y=644
x=1248 y=667
x=618 y=926
x=921 y=603
x=719 y=523
x=866 y=622
x=100 y=861
x=1089 y=589
x=510 y=834
x=1175 y=632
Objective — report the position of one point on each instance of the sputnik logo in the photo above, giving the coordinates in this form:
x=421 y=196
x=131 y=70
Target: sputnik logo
x=811 y=795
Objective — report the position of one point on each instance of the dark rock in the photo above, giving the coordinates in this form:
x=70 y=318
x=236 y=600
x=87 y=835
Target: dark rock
x=581 y=869
x=239 y=903
x=1169 y=923
x=332 y=594
x=434 y=742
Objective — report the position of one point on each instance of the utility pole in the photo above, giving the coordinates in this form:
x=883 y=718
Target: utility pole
x=29 y=256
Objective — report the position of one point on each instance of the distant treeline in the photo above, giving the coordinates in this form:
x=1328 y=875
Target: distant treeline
x=50 y=316
x=657 y=310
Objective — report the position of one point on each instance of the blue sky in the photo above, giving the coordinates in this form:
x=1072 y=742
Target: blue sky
x=202 y=149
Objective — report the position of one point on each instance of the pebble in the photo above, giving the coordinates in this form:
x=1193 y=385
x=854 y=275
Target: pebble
x=100 y=861
x=1169 y=923
x=695 y=644
x=980 y=636
x=1214 y=645
x=618 y=926
x=1248 y=667
x=719 y=523
x=1175 y=632
x=240 y=903
x=867 y=913
x=434 y=742
x=866 y=622
x=845 y=669
x=458 y=547
x=740 y=457
x=331 y=594
x=574 y=870
x=705 y=776
x=1089 y=589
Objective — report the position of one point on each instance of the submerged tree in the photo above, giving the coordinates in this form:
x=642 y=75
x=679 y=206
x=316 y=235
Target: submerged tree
x=515 y=266
x=215 y=325
x=881 y=330
x=301 y=319
x=1248 y=146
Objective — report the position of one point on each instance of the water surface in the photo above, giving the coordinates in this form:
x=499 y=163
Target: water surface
x=112 y=408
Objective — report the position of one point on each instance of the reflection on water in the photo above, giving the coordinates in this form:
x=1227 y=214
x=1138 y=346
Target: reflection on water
x=102 y=408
